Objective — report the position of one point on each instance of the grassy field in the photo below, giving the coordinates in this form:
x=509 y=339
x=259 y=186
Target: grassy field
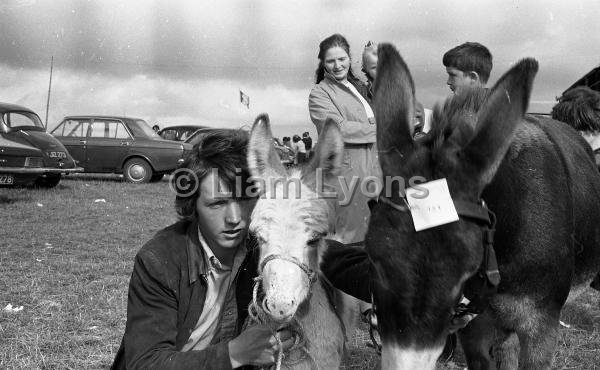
x=66 y=255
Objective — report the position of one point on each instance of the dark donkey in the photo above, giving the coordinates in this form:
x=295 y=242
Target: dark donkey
x=539 y=178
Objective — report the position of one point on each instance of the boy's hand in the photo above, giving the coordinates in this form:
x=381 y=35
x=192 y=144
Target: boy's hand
x=257 y=346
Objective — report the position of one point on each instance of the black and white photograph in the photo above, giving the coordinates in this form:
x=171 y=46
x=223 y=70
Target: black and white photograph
x=318 y=184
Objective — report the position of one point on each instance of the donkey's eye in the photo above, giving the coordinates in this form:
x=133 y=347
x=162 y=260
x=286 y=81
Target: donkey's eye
x=313 y=242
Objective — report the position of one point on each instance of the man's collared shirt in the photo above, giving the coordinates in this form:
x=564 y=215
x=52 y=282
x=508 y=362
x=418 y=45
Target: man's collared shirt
x=219 y=293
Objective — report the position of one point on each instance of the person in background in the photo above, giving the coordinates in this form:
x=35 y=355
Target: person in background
x=287 y=141
x=299 y=150
x=580 y=109
x=340 y=96
x=156 y=128
x=369 y=67
x=468 y=64
x=307 y=140
x=192 y=282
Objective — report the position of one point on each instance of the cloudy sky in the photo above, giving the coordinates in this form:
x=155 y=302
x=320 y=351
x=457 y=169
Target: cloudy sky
x=174 y=62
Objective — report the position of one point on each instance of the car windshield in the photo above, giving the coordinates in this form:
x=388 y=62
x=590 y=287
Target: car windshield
x=141 y=128
x=22 y=120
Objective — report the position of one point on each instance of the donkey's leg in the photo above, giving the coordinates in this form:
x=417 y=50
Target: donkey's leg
x=477 y=339
x=536 y=325
x=537 y=341
x=506 y=350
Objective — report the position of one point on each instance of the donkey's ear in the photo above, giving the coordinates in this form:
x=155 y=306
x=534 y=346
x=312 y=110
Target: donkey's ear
x=394 y=97
x=498 y=119
x=263 y=160
x=329 y=151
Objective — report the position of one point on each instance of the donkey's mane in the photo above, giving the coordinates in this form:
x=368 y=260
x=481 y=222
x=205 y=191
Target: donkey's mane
x=457 y=116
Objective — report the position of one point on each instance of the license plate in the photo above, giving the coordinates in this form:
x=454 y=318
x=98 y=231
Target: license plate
x=57 y=154
x=7 y=179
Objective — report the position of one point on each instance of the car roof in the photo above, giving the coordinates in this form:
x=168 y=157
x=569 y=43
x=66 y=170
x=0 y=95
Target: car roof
x=183 y=126
x=122 y=118
x=7 y=107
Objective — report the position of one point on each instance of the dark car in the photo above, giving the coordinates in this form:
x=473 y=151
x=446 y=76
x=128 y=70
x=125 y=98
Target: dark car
x=198 y=135
x=112 y=144
x=179 y=132
x=28 y=154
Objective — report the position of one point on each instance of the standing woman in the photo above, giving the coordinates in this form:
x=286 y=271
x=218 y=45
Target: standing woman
x=339 y=95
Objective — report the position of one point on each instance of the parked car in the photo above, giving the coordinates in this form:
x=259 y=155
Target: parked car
x=199 y=134
x=112 y=144
x=179 y=133
x=28 y=154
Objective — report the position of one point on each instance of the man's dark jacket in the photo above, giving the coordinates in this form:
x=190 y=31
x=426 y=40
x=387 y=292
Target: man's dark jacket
x=165 y=300
x=347 y=268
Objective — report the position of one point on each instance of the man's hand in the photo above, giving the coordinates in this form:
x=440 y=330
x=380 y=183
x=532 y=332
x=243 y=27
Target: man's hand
x=257 y=346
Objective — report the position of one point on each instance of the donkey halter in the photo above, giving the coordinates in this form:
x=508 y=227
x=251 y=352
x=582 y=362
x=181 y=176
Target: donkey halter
x=480 y=287
x=312 y=276
x=256 y=312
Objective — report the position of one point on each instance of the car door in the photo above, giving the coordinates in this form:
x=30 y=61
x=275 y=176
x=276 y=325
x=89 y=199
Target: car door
x=72 y=133
x=107 y=145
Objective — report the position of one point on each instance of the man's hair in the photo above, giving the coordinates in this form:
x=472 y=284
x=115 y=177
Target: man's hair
x=579 y=108
x=470 y=56
x=221 y=150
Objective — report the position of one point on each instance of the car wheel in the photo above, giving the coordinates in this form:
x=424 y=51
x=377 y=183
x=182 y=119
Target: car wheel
x=157 y=177
x=137 y=170
x=48 y=181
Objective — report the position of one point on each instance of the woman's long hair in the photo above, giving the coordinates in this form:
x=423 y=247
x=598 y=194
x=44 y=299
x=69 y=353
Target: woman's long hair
x=335 y=40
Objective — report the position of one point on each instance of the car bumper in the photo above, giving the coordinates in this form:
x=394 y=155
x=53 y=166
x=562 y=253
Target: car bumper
x=38 y=170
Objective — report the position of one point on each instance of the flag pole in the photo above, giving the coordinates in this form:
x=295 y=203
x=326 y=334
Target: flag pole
x=49 y=88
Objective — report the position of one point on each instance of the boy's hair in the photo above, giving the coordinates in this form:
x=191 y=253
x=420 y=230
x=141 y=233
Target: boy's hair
x=221 y=150
x=579 y=108
x=470 y=56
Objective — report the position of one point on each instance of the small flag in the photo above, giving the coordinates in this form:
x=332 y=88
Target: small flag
x=244 y=99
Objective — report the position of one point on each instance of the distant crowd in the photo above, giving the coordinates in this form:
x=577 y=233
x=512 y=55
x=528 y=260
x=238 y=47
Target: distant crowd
x=296 y=150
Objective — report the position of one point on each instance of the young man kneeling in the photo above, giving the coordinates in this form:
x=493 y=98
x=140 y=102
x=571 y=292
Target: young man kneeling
x=192 y=282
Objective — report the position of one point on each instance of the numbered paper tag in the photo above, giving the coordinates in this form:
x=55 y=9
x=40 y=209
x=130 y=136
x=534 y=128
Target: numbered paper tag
x=433 y=208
